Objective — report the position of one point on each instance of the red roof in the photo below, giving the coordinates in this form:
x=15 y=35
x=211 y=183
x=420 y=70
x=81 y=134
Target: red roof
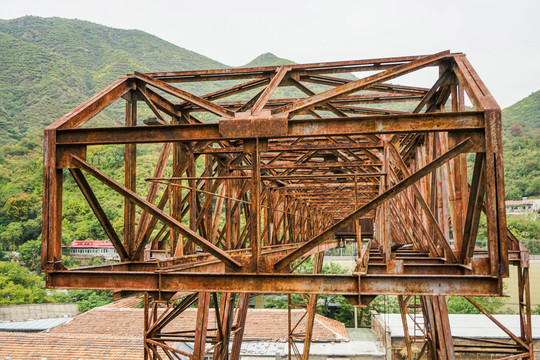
x=69 y=346
x=261 y=324
x=115 y=331
x=520 y=202
x=91 y=244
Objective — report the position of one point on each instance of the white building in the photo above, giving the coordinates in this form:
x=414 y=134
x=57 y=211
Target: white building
x=92 y=248
x=524 y=206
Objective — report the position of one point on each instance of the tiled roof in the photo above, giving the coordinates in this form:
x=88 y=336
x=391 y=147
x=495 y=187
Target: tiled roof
x=135 y=302
x=261 y=324
x=27 y=346
x=520 y=202
x=333 y=325
x=127 y=303
x=114 y=331
x=272 y=325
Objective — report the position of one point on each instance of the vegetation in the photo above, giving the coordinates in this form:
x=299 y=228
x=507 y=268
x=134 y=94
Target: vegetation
x=18 y=285
x=89 y=299
x=527 y=229
x=50 y=65
x=521 y=142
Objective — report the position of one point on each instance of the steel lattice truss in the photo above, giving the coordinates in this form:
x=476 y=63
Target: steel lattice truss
x=285 y=177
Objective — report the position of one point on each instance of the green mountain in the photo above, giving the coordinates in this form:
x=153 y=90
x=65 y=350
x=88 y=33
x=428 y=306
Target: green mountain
x=524 y=113
x=521 y=141
x=48 y=66
x=268 y=59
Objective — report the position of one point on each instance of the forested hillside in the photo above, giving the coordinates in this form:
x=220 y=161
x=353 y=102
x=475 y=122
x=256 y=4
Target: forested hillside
x=50 y=65
x=521 y=139
x=47 y=67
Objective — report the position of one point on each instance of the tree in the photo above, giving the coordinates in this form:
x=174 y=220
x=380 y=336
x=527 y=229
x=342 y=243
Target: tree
x=513 y=193
x=30 y=254
x=19 y=286
x=460 y=305
x=89 y=299
x=22 y=207
x=12 y=236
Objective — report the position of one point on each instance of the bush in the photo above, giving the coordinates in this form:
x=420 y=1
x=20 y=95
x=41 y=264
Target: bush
x=19 y=286
x=89 y=299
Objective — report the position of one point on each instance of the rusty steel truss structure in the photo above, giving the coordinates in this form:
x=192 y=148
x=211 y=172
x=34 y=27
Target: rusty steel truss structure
x=265 y=171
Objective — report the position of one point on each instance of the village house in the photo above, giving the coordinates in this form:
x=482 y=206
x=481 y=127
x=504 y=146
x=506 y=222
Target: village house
x=524 y=206
x=85 y=249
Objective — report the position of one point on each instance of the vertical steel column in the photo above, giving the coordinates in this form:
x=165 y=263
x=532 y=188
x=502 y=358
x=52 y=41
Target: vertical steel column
x=255 y=233
x=241 y=316
x=177 y=241
x=189 y=248
x=312 y=307
x=147 y=354
x=406 y=335
x=437 y=327
x=221 y=351
x=130 y=179
x=385 y=237
x=201 y=328
x=209 y=168
x=52 y=204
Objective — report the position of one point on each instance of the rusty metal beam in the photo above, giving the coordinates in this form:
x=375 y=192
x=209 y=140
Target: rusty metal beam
x=165 y=218
x=459 y=121
x=100 y=214
x=357 y=85
x=278 y=283
x=405 y=183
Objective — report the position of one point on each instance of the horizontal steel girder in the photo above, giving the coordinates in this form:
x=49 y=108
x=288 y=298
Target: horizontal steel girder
x=278 y=283
x=458 y=121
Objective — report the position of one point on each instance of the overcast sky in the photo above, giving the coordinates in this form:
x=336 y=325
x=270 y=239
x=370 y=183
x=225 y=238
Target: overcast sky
x=500 y=38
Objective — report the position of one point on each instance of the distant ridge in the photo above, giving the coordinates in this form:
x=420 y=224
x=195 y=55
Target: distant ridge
x=268 y=59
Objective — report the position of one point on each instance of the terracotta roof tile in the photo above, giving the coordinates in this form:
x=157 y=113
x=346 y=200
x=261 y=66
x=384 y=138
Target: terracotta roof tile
x=127 y=303
x=29 y=346
x=114 y=331
x=333 y=325
x=261 y=324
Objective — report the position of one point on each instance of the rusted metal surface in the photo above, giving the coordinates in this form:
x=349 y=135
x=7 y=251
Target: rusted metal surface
x=236 y=201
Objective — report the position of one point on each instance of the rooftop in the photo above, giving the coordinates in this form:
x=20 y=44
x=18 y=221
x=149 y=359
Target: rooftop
x=470 y=325
x=101 y=244
x=69 y=346
x=261 y=324
x=521 y=202
x=33 y=325
x=114 y=331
